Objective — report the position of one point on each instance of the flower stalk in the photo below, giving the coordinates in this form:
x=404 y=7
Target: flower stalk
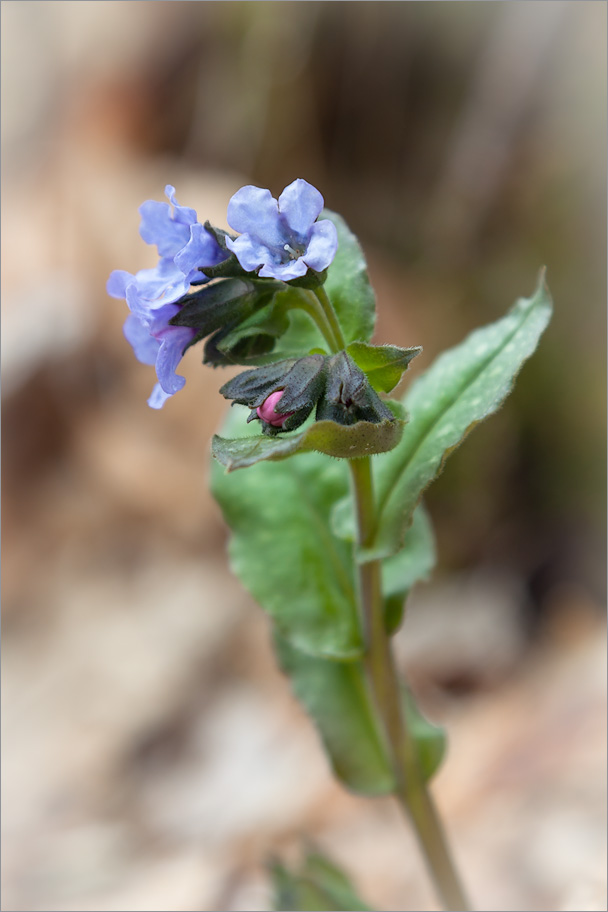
x=411 y=790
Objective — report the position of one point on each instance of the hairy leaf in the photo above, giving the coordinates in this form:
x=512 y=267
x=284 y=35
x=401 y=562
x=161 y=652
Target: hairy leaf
x=283 y=551
x=337 y=698
x=335 y=694
x=348 y=286
x=465 y=385
x=329 y=437
x=383 y=364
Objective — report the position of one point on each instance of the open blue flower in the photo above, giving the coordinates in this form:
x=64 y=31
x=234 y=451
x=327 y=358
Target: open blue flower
x=282 y=236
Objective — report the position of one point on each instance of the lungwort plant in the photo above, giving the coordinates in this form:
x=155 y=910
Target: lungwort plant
x=329 y=547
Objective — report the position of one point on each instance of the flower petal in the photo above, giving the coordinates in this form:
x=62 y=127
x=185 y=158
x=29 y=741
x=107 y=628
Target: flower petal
x=158 y=227
x=250 y=252
x=173 y=342
x=153 y=288
x=138 y=335
x=300 y=204
x=322 y=245
x=285 y=272
x=158 y=397
x=201 y=250
x=255 y=212
x=183 y=214
x=116 y=286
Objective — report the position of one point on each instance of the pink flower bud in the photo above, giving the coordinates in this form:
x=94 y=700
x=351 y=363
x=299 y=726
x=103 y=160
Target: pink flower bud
x=266 y=411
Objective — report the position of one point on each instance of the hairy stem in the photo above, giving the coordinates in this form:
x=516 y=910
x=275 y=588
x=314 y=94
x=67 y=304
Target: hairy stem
x=310 y=304
x=411 y=790
x=330 y=314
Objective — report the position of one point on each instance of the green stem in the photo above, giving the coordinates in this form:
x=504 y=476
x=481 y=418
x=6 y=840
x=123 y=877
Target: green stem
x=411 y=789
x=330 y=314
x=310 y=304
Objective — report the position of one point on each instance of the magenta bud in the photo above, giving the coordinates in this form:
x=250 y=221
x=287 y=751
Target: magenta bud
x=266 y=411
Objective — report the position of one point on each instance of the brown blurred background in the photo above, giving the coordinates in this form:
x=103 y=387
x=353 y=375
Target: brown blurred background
x=153 y=756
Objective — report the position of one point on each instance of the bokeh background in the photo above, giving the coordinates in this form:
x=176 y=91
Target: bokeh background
x=153 y=755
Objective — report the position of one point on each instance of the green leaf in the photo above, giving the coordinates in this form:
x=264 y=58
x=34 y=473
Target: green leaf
x=465 y=385
x=295 y=894
x=335 y=695
x=283 y=551
x=329 y=437
x=348 y=286
x=383 y=364
x=413 y=563
x=430 y=739
x=318 y=884
x=333 y=880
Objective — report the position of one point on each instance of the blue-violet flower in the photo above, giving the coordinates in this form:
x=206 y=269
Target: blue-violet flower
x=282 y=236
x=183 y=245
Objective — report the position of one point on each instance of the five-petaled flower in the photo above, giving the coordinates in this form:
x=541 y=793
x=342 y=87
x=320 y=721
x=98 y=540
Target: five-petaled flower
x=183 y=245
x=281 y=238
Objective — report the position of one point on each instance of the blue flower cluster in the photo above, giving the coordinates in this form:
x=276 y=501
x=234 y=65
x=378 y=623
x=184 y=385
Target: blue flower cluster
x=280 y=239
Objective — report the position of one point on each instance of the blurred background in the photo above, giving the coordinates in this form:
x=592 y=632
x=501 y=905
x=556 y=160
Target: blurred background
x=153 y=755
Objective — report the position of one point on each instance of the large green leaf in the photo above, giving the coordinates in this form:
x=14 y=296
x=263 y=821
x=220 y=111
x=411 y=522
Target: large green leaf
x=335 y=695
x=464 y=385
x=348 y=286
x=283 y=551
x=319 y=884
x=337 y=698
x=410 y=565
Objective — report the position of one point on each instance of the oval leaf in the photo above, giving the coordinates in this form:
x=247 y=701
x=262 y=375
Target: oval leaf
x=464 y=385
x=335 y=695
x=283 y=551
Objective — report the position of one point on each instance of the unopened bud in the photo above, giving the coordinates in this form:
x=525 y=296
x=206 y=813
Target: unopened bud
x=266 y=411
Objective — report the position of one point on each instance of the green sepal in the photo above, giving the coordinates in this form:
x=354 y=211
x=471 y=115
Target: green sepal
x=383 y=365
x=215 y=304
x=252 y=349
x=268 y=319
x=229 y=267
x=311 y=279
